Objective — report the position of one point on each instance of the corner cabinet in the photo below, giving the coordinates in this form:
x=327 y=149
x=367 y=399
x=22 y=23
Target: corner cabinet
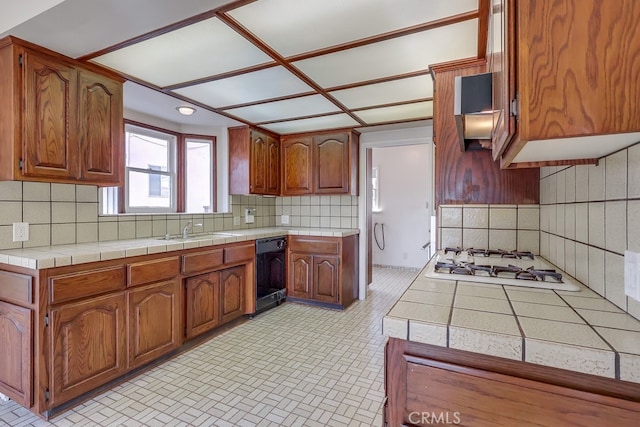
x=60 y=120
x=323 y=270
x=254 y=162
x=320 y=163
x=567 y=71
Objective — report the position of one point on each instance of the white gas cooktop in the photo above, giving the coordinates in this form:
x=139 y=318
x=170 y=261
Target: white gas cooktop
x=463 y=262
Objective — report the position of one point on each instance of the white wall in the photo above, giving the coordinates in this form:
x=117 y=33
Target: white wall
x=404 y=176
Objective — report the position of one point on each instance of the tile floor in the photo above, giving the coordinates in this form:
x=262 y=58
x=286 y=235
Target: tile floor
x=292 y=366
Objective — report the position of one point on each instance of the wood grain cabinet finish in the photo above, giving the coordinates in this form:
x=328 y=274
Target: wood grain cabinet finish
x=320 y=163
x=16 y=353
x=297 y=165
x=59 y=121
x=331 y=168
x=100 y=112
x=426 y=383
x=323 y=270
x=232 y=291
x=89 y=345
x=575 y=70
x=300 y=280
x=49 y=130
x=254 y=162
x=154 y=321
x=202 y=304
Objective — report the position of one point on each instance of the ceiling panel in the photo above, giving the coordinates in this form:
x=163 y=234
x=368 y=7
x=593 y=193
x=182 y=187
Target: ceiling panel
x=287 y=109
x=264 y=84
x=412 y=111
x=396 y=56
x=386 y=93
x=307 y=125
x=79 y=27
x=203 y=49
x=323 y=23
x=148 y=101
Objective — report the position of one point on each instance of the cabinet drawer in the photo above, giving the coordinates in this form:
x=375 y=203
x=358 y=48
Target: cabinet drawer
x=202 y=261
x=154 y=270
x=16 y=287
x=315 y=245
x=86 y=283
x=239 y=253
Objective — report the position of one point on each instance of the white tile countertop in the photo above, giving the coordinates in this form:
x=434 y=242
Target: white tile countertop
x=61 y=255
x=578 y=331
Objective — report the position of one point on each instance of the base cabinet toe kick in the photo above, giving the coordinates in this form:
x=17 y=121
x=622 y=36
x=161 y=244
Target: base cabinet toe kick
x=69 y=332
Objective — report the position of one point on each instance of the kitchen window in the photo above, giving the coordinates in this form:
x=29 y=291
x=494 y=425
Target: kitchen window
x=150 y=170
x=164 y=172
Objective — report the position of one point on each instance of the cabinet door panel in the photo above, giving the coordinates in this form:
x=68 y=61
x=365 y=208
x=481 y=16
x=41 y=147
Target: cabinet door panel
x=325 y=278
x=232 y=282
x=297 y=168
x=202 y=304
x=258 y=168
x=101 y=128
x=273 y=167
x=331 y=154
x=153 y=322
x=89 y=346
x=300 y=276
x=16 y=353
x=50 y=142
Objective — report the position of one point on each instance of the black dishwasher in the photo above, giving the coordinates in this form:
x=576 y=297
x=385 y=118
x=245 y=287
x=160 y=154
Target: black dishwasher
x=271 y=272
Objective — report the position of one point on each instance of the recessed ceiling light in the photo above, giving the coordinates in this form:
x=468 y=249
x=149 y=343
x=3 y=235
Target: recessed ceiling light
x=185 y=110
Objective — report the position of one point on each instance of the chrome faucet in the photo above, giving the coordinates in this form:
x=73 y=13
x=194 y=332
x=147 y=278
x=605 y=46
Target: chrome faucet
x=186 y=228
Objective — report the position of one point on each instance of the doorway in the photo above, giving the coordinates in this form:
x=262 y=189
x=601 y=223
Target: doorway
x=403 y=157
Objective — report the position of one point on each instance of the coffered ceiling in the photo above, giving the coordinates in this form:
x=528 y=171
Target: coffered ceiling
x=297 y=65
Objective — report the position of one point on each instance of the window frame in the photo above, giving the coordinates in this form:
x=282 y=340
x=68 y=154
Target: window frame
x=199 y=138
x=180 y=164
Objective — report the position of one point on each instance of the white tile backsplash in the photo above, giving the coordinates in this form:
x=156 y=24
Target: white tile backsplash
x=595 y=222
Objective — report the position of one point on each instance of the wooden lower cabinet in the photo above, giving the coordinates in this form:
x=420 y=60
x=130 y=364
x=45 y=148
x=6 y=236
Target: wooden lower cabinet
x=232 y=293
x=88 y=345
x=16 y=352
x=154 y=321
x=427 y=385
x=300 y=276
x=202 y=304
x=326 y=278
x=323 y=270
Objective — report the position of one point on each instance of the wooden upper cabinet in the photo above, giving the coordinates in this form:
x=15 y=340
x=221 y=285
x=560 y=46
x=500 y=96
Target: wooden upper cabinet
x=332 y=163
x=49 y=131
x=60 y=120
x=503 y=73
x=297 y=165
x=572 y=65
x=254 y=162
x=101 y=131
x=322 y=163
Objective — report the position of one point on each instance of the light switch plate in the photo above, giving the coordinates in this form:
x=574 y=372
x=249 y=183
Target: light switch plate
x=632 y=274
x=20 y=231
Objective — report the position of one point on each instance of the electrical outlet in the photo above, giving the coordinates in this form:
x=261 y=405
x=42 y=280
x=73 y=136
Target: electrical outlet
x=236 y=220
x=284 y=219
x=20 y=231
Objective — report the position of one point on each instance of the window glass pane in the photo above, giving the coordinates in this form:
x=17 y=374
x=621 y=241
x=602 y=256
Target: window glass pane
x=198 y=175
x=141 y=193
x=144 y=150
